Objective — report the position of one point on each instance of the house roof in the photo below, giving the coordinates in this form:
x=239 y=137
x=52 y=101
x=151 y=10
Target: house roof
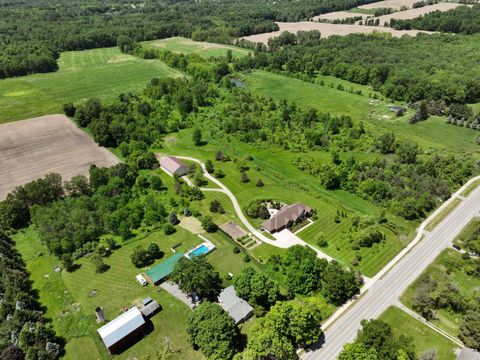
x=171 y=163
x=468 y=354
x=235 y=306
x=163 y=269
x=285 y=215
x=233 y=230
x=150 y=308
x=121 y=326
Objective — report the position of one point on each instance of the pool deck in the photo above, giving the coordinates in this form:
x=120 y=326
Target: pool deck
x=207 y=243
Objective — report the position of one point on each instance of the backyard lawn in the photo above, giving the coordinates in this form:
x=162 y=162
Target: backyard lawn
x=424 y=338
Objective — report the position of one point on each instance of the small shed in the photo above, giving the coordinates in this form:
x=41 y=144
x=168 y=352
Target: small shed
x=238 y=309
x=233 y=230
x=159 y=272
x=174 y=166
x=123 y=330
x=150 y=309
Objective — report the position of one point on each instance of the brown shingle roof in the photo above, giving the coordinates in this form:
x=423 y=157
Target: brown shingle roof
x=171 y=163
x=286 y=215
x=233 y=230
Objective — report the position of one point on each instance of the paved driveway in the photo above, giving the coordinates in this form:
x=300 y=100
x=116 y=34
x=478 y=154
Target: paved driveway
x=174 y=290
x=286 y=238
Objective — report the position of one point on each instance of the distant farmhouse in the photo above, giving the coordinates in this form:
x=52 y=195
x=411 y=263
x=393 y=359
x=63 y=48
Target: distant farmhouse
x=238 y=309
x=174 y=166
x=123 y=330
x=287 y=217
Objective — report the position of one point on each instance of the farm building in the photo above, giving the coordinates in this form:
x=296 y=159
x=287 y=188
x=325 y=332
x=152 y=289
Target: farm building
x=238 y=309
x=123 y=330
x=286 y=217
x=174 y=166
x=159 y=272
x=233 y=230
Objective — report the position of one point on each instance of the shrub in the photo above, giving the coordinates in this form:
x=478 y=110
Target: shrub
x=236 y=250
x=168 y=229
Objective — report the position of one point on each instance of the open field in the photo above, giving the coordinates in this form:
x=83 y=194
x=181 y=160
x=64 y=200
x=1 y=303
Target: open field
x=284 y=182
x=467 y=284
x=392 y=4
x=430 y=134
x=414 y=13
x=338 y=15
x=102 y=73
x=32 y=148
x=188 y=46
x=423 y=337
x=327 y=30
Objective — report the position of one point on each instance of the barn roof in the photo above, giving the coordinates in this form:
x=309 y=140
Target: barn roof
x=171 y=163
x=121 y=326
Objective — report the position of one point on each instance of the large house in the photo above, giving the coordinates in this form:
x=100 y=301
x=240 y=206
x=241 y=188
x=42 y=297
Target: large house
x=238 y=309
x=122 y=331
x=286 y=217
x=174 y=166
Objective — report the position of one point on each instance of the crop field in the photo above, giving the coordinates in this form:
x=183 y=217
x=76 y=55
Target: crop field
x=102 y=73
x=467 y=284
x=392 y=4
x=327 y=30
x=32 y=148
x=187 y=46
x=284 y=182
x=423 y=337
x=430 y=134
x=414 y=13
x=338 y=15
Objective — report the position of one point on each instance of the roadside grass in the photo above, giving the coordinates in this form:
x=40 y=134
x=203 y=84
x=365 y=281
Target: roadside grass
x=284 y=182
x=470 y=188
x=188 y=46
x=429 y=134
x=424 y=338
x=468 y=285
x=467 y=231
x=102 y=73
x=443 y=214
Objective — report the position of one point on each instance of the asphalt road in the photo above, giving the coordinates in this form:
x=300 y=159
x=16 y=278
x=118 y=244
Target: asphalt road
x=386 y=290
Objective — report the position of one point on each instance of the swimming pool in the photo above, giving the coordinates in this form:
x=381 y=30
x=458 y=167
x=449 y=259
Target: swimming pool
x=201 y=250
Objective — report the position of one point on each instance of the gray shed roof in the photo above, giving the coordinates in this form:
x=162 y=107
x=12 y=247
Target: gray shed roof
x=121 y=326
x=238 y=309
x=468 y=354
x=150 y=308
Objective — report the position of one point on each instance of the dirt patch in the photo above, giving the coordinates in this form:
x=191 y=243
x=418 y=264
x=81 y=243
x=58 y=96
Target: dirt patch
x=32 y=148
x=191 y=224
x=328 y=30
x=414 y=13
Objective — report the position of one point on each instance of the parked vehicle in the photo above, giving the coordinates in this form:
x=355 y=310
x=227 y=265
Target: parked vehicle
x=141 y=280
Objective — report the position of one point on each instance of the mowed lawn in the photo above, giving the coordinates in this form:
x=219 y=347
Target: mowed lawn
x=188 y=46
x=468 y=285
x=430 y=134
x=424 y=338
x=284 y=182
x=102 y=73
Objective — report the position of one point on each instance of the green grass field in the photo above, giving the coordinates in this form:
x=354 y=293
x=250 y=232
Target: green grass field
x=468 y=285
x=423 y=337
x=430 y=135
x=284 y=182
x=188 y=46
x=103 y=73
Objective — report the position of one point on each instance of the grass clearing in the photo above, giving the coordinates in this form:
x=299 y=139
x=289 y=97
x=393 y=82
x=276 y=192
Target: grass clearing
x=443 y=214
x=448 y=320
x=424 y=338
x=102 y=73
x=188 y=46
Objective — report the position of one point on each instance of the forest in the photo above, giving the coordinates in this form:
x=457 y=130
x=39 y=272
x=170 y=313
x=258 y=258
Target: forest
x=33 y=33
x=461 y=20
x=401 y=68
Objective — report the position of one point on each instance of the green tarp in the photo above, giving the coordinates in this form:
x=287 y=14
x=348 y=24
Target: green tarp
x=163 y=269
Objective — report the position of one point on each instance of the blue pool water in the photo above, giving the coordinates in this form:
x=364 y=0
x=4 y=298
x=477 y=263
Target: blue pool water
x=199 y=251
